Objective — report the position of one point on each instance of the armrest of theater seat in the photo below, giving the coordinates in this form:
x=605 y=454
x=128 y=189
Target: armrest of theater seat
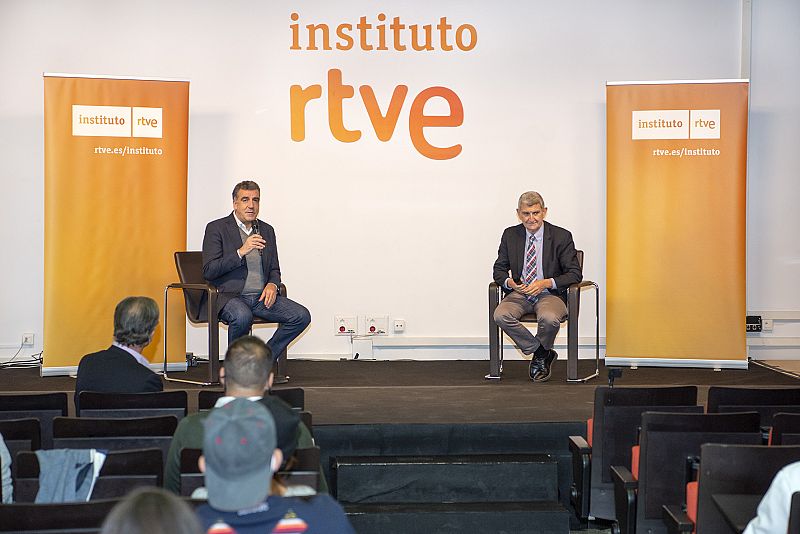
x=676 y=520
x=625 y=487
x=581 y=476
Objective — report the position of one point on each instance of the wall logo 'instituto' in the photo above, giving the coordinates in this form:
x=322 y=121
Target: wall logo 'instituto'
x=116 y=121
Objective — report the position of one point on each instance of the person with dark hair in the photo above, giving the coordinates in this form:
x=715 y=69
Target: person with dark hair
x=246 y=373
x=122 y=368
x=240 y=455
x=151 y=510
x=240 y=258
x=536 y=261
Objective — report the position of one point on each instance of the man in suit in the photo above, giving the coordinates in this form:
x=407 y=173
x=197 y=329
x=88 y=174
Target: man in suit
x=535 y=263
x=240 y=258
x=121 y=368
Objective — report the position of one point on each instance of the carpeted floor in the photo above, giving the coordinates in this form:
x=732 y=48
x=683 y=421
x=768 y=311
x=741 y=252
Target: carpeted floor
x=350 y=392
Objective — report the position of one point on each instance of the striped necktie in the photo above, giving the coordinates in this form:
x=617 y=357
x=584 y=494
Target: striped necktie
x=529 y=272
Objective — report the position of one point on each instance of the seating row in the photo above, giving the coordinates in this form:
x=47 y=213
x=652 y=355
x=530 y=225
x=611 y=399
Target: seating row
x=634 y=458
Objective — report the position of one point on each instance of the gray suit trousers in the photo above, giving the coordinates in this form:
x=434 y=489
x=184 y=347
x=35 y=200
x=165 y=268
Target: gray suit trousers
x=550 y=310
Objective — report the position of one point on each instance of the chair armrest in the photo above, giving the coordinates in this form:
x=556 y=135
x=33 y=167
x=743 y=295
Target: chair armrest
x=580 y=490
x=676 y=519
x=625 y=487
x=580 y=285
x=577 y=444
x=204 y=287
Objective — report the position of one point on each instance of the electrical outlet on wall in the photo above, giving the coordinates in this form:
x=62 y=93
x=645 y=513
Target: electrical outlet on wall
x=27 y=339
x=376 y=325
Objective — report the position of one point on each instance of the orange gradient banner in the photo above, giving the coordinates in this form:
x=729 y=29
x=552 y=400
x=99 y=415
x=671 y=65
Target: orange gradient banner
x=115 y=208
x=676 y=204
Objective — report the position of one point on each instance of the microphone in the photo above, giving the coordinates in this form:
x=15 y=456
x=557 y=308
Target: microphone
x=256 y=231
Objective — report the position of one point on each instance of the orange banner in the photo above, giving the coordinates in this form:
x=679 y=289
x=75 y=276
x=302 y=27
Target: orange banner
x=676 y=205
x=115 y=208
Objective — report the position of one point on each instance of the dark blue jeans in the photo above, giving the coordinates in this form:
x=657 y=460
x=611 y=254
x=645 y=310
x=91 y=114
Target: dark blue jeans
x=292 y=319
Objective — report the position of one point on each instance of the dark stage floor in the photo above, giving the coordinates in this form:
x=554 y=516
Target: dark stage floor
x=349 y=392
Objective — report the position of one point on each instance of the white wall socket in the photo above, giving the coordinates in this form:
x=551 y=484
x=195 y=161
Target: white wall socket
x=345 y=325
x=399 y=326
x=376 y=325
x=27 y=340
x=766 y=325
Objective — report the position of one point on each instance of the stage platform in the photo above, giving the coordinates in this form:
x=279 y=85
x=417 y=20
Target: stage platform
x=364 y=392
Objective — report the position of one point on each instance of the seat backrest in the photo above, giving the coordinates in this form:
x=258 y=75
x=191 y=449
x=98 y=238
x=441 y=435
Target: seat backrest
x=615 y=426
x=766 y=401
x=667 y=440
x=294 y=397
x=579 y=253
x=55 y=518
x=736 y=469
x=786 y=429
x=206 y=398
x=115 y=405
x=42 y=406
x=190 y=271
x=114 y=434
x=21 y=435
x=191 y=477
x=121 y=472
x=617 y=418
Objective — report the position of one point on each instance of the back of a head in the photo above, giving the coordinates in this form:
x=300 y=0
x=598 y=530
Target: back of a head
x=135 y=319
x=151 y=511
x=248 y=362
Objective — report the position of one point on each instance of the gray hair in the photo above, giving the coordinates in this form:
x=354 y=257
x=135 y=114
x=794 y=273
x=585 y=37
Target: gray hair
x=151 y=511
x=530 y=198
x=135 y=319
x=247 y=185
x=248 y=362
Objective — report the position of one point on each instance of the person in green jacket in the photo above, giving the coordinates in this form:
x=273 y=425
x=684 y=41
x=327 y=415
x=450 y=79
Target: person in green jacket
x=246 y=373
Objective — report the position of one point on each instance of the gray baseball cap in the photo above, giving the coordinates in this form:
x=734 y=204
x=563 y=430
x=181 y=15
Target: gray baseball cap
x=238 y=443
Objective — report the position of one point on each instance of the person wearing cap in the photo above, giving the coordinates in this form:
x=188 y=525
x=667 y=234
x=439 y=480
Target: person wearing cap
x=239 y=458
x=246 y=373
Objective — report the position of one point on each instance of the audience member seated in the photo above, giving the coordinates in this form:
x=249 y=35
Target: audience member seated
x=773 y=512
x=121 y=368
x=239 y=459
x=246 y=373
x=151 y=511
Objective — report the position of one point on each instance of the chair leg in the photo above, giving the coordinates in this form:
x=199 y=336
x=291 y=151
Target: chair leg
x=279 y=370
x=213 y=350
x=573 y=296
x=495 y=337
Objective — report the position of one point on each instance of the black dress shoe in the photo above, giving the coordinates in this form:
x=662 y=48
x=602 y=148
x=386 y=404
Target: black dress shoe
x=535 y=367
x=544 y=368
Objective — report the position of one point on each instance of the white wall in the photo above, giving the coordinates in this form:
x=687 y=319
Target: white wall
x=372 y=227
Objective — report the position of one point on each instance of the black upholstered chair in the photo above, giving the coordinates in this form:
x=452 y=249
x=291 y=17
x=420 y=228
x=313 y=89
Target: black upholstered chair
x=41 y=406
x=190 y=273
x=766 y=401
x=666 y=441
x=294 y=397
x=21 y=435
x=573 y=308
x=83 y=517
x=111 y=405
x=614 y=428
x=785 y=429
x=732 y=481
x=115 y=434
x=122 y=471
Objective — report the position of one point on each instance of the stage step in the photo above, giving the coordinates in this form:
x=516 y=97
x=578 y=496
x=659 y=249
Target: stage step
x=432 y=439
x=445 y=478
x=496 y=517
